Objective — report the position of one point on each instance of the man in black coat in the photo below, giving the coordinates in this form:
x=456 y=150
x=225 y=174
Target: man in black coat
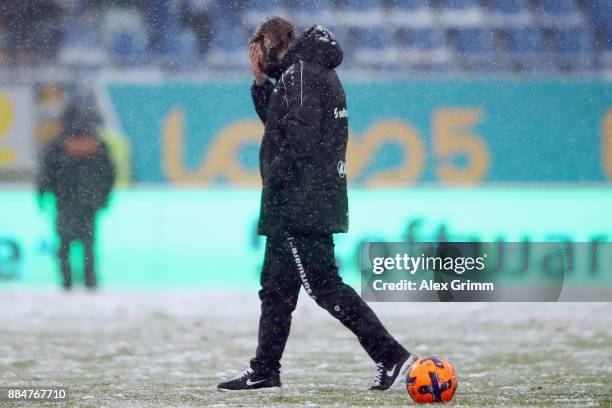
x=78 y=171
x=304 y=199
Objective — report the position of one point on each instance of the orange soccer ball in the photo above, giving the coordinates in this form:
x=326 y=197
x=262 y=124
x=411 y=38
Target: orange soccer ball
x=431 y=379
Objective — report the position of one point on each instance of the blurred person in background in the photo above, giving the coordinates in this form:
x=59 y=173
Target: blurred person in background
x=77 y=169
x=304 y=200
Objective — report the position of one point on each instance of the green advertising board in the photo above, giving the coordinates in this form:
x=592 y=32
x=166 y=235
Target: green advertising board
x=163 y=238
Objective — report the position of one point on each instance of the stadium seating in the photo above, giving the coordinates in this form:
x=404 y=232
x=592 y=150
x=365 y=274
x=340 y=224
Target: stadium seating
x=375 y=49
x=601 y=13
x=574 y=49
x=81 y=46
x=127 y=49
x=461 y=13
x=306 y=12
x=559 y=13
x=424 y=50
x=475 y=50
x=605 y=60
x=526 y=51
x=257 y=10
x=229 y=47
x=124 y=31
x=531 y=36
x=411 y=14
x=510 y=13
x=361 y=13
x=180 y=49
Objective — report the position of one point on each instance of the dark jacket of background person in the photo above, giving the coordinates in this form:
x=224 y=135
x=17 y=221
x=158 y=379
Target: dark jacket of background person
x=78 y=170
x=302 y=155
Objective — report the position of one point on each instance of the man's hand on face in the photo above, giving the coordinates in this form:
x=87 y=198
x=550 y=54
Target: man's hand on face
x=255 y=57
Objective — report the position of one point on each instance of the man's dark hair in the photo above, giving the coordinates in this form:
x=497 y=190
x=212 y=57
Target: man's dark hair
x=280 y=31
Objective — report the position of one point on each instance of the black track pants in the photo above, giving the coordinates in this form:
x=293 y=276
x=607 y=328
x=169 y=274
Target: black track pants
x=308 y=261
x=76 y=226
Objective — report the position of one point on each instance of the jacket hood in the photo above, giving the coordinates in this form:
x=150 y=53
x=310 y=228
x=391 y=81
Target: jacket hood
x=80 y=118
x=317 y=45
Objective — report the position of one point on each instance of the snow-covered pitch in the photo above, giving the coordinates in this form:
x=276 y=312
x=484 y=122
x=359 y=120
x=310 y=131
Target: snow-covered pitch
x=167 y=349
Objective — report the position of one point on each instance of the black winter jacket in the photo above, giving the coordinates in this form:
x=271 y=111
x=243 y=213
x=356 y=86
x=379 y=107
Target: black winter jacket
x=302 y=155
x=79 y=172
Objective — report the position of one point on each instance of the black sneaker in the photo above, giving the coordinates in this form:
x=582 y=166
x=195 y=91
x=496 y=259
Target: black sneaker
x=389 y=375
x=249 y=380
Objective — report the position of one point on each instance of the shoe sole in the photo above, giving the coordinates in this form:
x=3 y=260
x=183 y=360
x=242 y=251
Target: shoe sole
x=265 y=389
x=403 y=370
